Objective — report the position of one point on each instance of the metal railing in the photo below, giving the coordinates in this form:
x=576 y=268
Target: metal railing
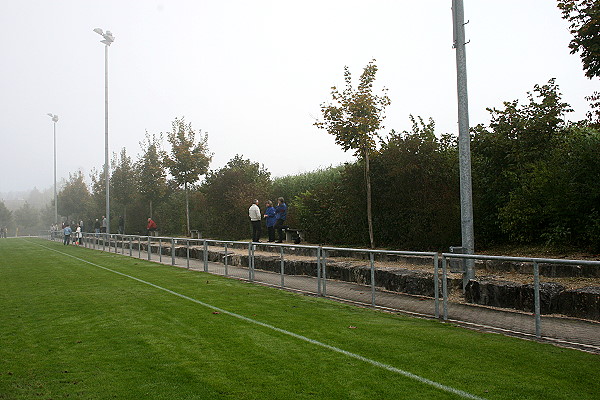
x=537 y=320
x=360 y=276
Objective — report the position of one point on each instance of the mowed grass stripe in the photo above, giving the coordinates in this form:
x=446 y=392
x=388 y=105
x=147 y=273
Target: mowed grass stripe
x=125 y=340
x=390 y=368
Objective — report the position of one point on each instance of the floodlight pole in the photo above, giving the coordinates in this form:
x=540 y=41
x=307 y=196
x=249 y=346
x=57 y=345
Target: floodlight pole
x=55 y=120
x=108 y=39
x=464 y=140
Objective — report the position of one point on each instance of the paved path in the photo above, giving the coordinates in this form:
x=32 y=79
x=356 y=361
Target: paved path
x=568 y=332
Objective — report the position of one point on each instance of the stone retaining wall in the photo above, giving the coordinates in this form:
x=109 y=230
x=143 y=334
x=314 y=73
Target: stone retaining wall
x=554 y=297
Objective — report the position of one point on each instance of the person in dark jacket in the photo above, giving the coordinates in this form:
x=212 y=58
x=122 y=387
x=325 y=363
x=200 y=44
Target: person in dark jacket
x=280 y=215
x=270 y=219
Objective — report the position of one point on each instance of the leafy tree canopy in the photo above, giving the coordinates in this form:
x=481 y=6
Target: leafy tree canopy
x=584 y=19
x=189 y=158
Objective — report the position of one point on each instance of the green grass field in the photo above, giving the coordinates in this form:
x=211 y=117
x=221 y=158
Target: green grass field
x=78 y=323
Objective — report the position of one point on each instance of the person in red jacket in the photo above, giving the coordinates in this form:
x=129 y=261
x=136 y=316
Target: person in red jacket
x=151 y=227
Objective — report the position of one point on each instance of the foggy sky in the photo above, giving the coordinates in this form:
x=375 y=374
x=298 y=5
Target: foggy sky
x=253 y=73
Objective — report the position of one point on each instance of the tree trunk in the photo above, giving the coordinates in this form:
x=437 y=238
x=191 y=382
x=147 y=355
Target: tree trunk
x=369 y=214
x=187 y=209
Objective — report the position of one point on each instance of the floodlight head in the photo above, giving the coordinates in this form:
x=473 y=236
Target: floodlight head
x=108 y=36
x=53 y=116
x=50 y=115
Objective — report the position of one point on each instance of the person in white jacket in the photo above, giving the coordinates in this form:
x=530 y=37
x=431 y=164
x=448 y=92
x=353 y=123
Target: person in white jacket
x=255 y=220
x=78 y=236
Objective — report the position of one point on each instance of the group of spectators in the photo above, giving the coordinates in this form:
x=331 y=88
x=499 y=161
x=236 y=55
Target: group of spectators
x=100 y=227
x=274 y=220
x=68 y=231
x=274 y=216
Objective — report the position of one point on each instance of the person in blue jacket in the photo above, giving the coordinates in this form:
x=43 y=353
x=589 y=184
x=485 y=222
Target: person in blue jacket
x=67 y=232
x=280 y=215
x=270 y=219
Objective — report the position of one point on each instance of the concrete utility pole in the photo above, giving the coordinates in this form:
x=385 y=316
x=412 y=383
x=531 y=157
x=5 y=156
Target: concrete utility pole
x=464 y=146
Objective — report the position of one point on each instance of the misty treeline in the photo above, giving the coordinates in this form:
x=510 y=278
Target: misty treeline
x=536 y=180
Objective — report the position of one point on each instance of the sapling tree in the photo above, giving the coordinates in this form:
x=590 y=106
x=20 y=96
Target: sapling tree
x=189 y=158
x=355 y=117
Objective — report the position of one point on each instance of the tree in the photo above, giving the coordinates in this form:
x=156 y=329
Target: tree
x=27 y=219
x=152 y=181
x=123 y=182
x=6 y=217
x=228 y=192
x=584 y=17
x=98 y=194
x=73 y=198
x=505 y=154
x=189 y=158
x=354 y=118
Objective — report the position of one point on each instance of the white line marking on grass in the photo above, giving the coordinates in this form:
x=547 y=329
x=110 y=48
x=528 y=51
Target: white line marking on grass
x=387 y=367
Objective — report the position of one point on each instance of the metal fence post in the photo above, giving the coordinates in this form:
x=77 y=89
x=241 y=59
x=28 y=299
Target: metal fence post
x=324 y=274
x=226 y=256
x=149 y=249
x=172 y=251
x=536 y=296
x=159 y=250
x=139 y=240
x=187 y=253
x=372 y=258
x=205 y=256
x=436 y=285
x=250 y=260
x=130 y=249
x=282 y=266
x=445 y=286
x=319 y=261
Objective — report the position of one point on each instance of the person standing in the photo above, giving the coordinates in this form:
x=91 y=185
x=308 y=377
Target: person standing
x=97 y=227
x=280 y=215
x=270 y=220
x=255 y=221
x=78 y=235
x=104 y=224
x=67 y=232
x=151 y=227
